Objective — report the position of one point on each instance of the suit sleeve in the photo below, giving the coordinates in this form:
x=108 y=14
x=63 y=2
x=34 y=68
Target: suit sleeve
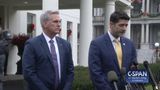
x=95 y=67
x=29 y=67
x=70 y=70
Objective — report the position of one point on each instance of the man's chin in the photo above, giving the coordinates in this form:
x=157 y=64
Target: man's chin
x=121 y=34
x=58 y=32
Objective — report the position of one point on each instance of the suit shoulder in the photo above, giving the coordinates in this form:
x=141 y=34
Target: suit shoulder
x=126 y=39
x=59 y=38
x=34 y=40
x=99 y=38
x=62 y=40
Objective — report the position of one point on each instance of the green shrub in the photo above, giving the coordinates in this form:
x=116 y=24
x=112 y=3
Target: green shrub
x=81 y=79
x=155 y=68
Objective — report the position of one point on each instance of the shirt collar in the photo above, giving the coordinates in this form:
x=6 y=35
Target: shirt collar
x=112 y=37
x=48 y=38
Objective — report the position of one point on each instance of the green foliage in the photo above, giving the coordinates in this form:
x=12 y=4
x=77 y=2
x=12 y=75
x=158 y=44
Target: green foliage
x=136 y=15
x=82 y=80
x=153 y=14
x=155 y=68
x=148 y=87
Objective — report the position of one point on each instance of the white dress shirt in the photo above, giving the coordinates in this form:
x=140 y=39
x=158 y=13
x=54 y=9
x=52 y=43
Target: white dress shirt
x=57 y=51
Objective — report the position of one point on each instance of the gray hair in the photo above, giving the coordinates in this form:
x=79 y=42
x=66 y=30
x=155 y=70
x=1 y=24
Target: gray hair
x=46 y=16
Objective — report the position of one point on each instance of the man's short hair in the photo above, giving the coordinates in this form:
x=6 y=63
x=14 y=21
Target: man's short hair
x=118 y=15
x=46 y=16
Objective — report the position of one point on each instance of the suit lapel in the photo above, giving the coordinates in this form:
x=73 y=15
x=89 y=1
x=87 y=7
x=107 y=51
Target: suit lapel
x=60 y=48
x=112 y=51
x=46 y=48
x=123 y=44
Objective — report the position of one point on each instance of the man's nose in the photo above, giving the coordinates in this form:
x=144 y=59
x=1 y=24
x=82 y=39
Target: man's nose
x=59 y=23
x=124 y=27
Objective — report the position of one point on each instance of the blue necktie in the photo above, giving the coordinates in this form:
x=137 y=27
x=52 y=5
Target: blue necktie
x=54 y=57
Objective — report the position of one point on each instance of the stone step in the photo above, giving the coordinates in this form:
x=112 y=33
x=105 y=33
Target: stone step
x=13 y=82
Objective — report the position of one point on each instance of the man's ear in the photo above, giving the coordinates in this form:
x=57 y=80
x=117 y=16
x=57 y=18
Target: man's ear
x=111 y=24
x=45 y=24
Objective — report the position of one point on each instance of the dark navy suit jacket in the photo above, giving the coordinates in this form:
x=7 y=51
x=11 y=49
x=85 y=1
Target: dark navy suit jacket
x=102 y=59
x=38 y=69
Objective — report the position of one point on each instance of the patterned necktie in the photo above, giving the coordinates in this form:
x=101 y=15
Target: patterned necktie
x=118 y=50
x=54 y=57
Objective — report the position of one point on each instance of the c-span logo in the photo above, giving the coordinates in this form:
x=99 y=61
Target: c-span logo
x=137 y=76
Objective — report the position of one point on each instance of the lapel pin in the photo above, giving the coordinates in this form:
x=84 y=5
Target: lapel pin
x=124 y=44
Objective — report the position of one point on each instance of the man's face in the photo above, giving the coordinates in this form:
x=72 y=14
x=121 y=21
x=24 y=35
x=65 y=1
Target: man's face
x=53 y=25
x=119 y=28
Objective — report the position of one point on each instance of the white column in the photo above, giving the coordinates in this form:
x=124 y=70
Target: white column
x=109 y=9
x=14 y=29
x=74 y=43
x=142 y=33
x=6 y=14
x=50 y=5
x=86 y=31
x=63 y=33
x=147 y=7
x=128 y=11
x=147 y=33
x=143 y=5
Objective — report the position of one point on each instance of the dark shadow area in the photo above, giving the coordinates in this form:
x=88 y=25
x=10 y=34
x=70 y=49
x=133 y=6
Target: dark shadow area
x=13 y=82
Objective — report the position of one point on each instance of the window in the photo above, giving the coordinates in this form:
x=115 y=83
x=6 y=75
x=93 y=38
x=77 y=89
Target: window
x=31 y=28
x=69 y=30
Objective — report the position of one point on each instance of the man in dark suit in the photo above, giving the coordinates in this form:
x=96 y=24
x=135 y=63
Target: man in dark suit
x=47 y=59
x=104 y=57
x=5 y=38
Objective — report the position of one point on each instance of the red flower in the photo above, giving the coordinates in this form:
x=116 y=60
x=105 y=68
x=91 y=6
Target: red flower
x=19 y=40
x=136 y=1
x=31 y=28
x=69 y=32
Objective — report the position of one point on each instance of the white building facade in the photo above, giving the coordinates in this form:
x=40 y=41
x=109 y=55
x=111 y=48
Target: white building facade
x=81 y=26
x=145 y=29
